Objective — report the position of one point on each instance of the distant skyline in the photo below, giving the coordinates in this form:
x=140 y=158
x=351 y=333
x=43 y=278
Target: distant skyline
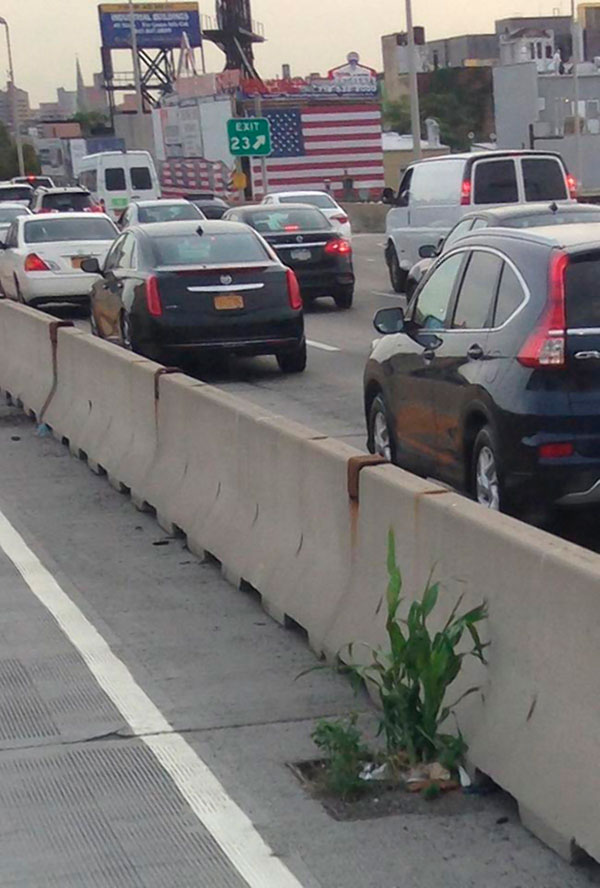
x=310 y=35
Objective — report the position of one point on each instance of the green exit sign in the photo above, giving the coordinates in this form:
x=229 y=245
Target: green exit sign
x=249 y=136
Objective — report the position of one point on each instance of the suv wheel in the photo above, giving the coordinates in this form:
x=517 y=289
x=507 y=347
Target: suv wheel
x=397 y=276
x=344 y=296
x=486 y=482
x=381 y=440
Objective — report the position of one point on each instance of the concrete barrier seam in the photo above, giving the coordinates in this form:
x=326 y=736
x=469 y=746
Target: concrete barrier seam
x=53 y=333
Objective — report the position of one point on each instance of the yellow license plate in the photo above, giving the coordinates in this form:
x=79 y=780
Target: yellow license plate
x=229 y=302
x=77 y=260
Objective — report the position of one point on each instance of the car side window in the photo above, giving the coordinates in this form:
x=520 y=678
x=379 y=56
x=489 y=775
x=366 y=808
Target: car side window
x=11 y=237
x=433 y=300
x=510 y=296
x=127 y=258
x=459 y=230
x=114 y=254
x=475 y=302
x=404 y=189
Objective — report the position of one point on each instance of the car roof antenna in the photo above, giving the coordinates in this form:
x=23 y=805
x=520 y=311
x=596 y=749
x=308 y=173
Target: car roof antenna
x=200 y=230
x=554 y=206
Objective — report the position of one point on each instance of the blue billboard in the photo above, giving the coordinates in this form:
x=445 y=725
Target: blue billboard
x=157 y=25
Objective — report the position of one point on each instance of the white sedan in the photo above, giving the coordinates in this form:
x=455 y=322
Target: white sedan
x=321 y=199
x=40 y=260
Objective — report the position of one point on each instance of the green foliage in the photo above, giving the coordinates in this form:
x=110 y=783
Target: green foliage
x=413 y=678
x=340 y=742
x=92 y=123
x=458 y=105
x=9 y=164
x=431 y=792
x=396 y=116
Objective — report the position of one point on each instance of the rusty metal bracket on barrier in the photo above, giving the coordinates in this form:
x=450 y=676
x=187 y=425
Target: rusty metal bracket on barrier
x=162 y=371
x=53 y=329
x=355 y=465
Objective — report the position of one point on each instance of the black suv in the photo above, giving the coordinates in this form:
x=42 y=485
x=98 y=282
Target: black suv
x=491 y=382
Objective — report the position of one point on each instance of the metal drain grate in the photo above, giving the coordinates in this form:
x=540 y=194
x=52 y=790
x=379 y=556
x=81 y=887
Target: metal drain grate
x=99 y=816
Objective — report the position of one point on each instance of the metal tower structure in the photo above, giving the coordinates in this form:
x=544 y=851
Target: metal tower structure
x=235 y=34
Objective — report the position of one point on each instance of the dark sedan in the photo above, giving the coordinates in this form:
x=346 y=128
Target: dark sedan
x=529 y=216
x=211 y=207
x=305 y=240
x=183 y=288
x=491 y=382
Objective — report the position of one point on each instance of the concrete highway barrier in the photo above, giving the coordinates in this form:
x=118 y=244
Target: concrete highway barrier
x=270 y=500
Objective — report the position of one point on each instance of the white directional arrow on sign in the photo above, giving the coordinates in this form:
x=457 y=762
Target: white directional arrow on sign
x=259 y=142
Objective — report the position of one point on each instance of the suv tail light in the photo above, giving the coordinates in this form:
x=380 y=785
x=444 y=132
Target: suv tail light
x=93 y=208
x=294 y=295
x=545 y=347
x=46 y=210
x=465 y=193
x=341 y=219
x=153 y=297
x=33 y=262
x=572 y=185
x=338 y=247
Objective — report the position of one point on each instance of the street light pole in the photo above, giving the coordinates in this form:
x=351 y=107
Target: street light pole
x=15 y=104
x=137 y=76
x=413 y=83
x=575 y=54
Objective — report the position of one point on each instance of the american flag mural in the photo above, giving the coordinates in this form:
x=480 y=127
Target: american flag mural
x=185 y=175
x=320 y=147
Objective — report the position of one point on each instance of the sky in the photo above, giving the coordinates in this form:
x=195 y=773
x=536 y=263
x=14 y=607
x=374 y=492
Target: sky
x=311 y=35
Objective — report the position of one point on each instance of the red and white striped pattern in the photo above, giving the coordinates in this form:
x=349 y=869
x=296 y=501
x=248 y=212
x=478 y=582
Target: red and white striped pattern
x=180 y=176
x=340 y=142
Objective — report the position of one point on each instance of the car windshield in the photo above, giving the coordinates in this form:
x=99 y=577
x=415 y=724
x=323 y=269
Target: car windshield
x=7 y=214
x=19 y=192
x=53 y=229
x=166 y=212
x=274 y=220
x=559 y=218
x=208 y=249
x=323 y=201
x=72 y=201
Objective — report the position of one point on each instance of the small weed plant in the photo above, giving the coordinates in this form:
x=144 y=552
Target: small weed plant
x=340 y=741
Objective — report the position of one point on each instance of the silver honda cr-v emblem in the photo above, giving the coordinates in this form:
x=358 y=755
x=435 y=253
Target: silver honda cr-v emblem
x=299 y=239
x=226 y=279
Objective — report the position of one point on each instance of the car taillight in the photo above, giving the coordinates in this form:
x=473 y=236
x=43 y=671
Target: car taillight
x=294 y=295
x=572 y=185
x=291 y=228
x=94 y=208
x=338 y=247
x=153 y=297
x=465 y=193
x=46 y=210
x=558 y=450
x=546 y=345
x=341 y=219
x=33 y=262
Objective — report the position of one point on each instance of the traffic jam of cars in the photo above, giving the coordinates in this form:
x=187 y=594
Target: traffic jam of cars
x=487 y=379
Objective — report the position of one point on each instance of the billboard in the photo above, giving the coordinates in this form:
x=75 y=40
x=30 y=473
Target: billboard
x=157 y=25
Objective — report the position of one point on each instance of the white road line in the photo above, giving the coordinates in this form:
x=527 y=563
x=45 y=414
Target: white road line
x=323 y=346
x=389 y=295
x=227 y=823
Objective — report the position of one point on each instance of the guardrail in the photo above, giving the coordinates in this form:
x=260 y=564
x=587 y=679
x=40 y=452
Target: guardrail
x=304 y=519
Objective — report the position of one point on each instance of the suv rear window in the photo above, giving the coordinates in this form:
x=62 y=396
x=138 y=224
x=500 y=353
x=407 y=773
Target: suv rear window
x=114 y=178
x=19 y=192
x=582 y=291
x=496 y=182
x=166 y=212
x=141 y=180
x=74 y=201
x=208 y=249
x=544 y=179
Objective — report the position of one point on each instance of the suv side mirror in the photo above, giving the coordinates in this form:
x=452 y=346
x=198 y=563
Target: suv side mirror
x=388 y=196
x=428 y=251
x=91 y=265
x=389 y=320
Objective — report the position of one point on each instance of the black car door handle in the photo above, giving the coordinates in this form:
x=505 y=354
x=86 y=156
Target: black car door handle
x=475 y=352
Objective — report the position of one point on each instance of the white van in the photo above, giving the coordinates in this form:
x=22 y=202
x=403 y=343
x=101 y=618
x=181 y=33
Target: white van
x=115 y=178
x=435 y=193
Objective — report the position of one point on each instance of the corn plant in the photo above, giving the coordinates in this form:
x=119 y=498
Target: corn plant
x=413 y=677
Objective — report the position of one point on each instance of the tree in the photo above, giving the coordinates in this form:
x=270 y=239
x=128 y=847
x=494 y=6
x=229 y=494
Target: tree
x=396 y=116
x=458 y=99
x=93 y=123
x=9 y=162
